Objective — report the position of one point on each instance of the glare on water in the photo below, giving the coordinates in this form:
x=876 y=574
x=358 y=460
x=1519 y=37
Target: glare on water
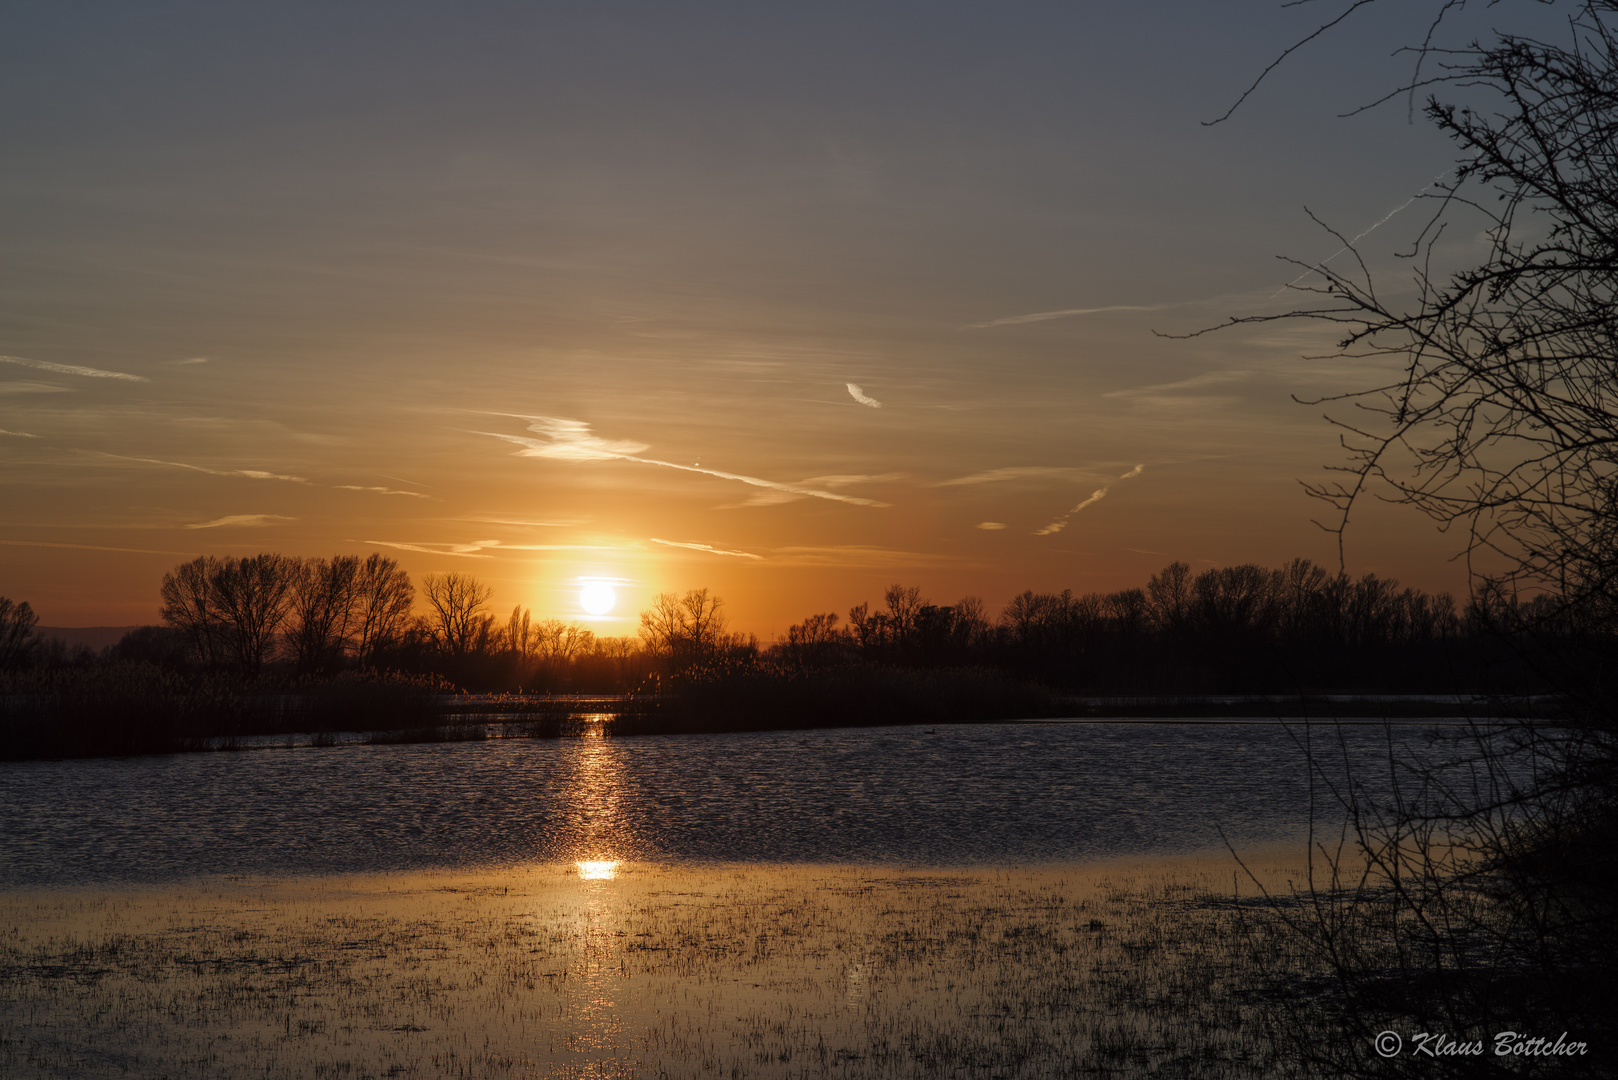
x=744 y=970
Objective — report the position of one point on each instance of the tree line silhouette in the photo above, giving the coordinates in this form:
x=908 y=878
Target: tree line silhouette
x=1235 y=629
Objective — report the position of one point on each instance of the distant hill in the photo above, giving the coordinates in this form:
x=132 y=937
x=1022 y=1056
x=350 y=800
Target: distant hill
x=96 y=637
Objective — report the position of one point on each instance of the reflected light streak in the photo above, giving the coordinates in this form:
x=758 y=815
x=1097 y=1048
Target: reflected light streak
x=596 y=789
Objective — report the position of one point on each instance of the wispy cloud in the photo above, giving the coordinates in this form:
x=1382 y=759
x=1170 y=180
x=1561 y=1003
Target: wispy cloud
x=476 y=548
x=709 y=548
x=72 y=369
x=561 y=547
x=1015 y=472
x=260 y=474
x=32 y=388
x=465 y=551
x=855 y=557
x=563 y=439
x=231 y=520
x=861 y=396
x=991 y=526
x=1196 y=382
x=189 y=362
x=380 y=490
x=571 y=440
x=251 y=474
x=18 y=434
x=569 y=523
x=1095 y=496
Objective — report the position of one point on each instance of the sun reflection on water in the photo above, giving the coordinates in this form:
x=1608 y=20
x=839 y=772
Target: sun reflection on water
x=596 y=826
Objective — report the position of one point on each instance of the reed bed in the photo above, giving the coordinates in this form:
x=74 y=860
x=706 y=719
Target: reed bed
x=1155 y=969
x=859 y=696
x=133 y=708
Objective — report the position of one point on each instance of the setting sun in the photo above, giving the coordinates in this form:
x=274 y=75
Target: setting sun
x=597 y=597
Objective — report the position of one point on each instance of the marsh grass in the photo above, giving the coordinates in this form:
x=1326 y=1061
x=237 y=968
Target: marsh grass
x=134 y=708
x=1138 y=969
x=723 y=700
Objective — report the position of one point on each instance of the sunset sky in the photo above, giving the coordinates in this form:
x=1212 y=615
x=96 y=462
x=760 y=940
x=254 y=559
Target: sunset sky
x=788 y=301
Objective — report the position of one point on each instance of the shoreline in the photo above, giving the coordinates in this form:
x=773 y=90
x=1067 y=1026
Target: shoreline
x=472 y=727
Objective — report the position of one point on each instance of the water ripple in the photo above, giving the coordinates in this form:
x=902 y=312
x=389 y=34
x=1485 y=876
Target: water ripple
x=954 y=796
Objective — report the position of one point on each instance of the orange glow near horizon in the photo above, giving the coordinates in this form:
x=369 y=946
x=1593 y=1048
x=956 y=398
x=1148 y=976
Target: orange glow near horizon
x=557 y=348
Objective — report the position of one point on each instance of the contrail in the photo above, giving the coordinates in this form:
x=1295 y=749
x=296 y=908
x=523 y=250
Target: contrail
x=90 y=547
x=709 y=548
x=1095 y=496
x=72 y=369
x=1014 y=472
x=251 y=474
x=1042 y=316
x=572 y=440
x=1367 y=232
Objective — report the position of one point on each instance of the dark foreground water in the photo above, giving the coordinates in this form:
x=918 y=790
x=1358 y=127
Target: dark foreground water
x=994 y=794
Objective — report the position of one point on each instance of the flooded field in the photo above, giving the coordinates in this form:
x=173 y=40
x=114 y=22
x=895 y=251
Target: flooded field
x=1138 y=968
x=999 y=901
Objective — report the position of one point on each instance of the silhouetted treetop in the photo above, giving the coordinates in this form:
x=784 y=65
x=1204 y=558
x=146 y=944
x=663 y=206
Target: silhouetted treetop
x=17 y=642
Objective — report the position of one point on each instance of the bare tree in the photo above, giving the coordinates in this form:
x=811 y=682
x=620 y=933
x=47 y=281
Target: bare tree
x=683 y=628
x=1503 y=418
x=1494 y=410
x=662 y=626
x=904 y=603
x=1168 y=597
x=230 y=611
x=556 y=645
x=815 y=642
x=188 y=607
x=456 y=620
x=973 y=618
x=558 y=642
x=323 y=602
x=1038 y=620
x=17 y=642
x=383 y=595
x=252 y=597
x=815 y=631
x=519 y=633
x=863 y=627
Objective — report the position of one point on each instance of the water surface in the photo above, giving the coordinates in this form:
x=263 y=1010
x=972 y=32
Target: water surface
x=954 y=796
